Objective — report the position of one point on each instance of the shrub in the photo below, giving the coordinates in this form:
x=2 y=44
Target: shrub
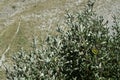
x=86 y=51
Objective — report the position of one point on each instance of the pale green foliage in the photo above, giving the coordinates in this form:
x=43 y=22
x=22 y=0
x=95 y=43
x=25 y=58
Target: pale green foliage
x=70 y=55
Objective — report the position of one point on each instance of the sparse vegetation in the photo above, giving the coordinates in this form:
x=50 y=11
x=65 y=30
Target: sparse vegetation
x=13 y=7
x=85 y=51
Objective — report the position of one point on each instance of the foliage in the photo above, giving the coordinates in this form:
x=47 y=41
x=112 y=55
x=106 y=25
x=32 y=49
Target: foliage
x=88 y=50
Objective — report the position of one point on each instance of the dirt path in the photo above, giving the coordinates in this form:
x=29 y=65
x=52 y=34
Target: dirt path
x=2 y=59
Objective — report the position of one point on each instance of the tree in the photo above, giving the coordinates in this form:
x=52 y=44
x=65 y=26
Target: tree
x=85 y=51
